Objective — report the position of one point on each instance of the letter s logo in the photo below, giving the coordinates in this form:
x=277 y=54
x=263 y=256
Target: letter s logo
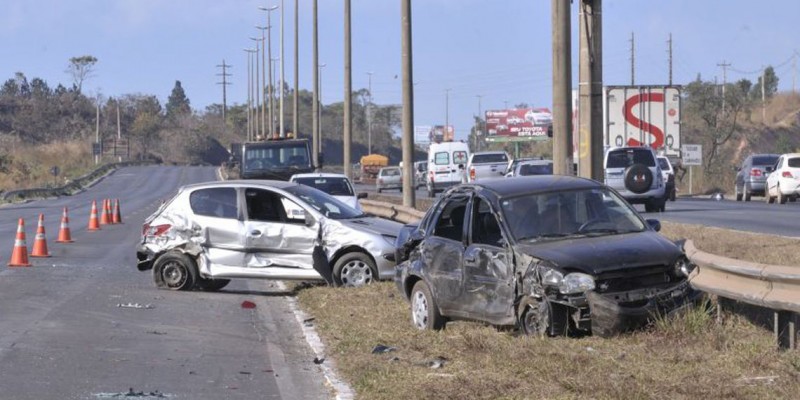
x=631 y=119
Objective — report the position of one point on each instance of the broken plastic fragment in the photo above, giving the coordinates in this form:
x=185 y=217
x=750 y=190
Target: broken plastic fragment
x=437 y=362
x=319 y=360
x=248 y=304
x=380 y=349
x=135 y=305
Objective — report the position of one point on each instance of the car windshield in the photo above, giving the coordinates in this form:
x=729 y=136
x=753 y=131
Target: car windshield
x=627 y=157
x=326 y=204
x=334 y=186
x=764 y=160
x=271 y=155
x=568 y=214
x=535 y=169
x=489 y=158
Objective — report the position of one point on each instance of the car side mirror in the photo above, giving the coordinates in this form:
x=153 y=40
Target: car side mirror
x=309 y=220
x=654 y=224
x=362 y=195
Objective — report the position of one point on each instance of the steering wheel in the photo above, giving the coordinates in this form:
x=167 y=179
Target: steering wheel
x=591 y=222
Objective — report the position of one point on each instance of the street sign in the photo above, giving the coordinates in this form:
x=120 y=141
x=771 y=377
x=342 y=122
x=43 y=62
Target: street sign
x=692 y=154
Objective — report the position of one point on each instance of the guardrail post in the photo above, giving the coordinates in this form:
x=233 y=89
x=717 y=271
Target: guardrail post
x=785 y=330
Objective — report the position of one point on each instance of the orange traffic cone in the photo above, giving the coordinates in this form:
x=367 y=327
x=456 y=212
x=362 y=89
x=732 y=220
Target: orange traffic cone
x=40 y=242
x=64 y=235
x=104 y=213
x=19 y=257
x=94 y=225
x=108 y=211
x=116 y=218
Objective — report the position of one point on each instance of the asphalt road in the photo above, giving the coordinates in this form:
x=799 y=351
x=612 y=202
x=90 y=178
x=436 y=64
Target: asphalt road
x=86 y=324
x=754 y=216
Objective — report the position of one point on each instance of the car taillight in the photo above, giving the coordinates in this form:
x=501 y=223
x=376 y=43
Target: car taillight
x=157 y=230
x=472 y=174
x=755 y=172
x=787 y=174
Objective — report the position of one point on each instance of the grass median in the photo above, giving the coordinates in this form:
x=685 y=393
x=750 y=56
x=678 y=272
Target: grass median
x=690 y=356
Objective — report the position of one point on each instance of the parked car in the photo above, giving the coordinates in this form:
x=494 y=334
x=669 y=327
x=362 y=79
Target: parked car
x=336 y=185
x=548 y=254
x=783 y=181
x=751 y=176
x=209 y=233
x=487 y=164
x=668 y=174
x=531 y=167
x=635 y=174
x=389 y=178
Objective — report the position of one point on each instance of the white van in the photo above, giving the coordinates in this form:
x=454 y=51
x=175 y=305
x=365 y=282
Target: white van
x=447 y=165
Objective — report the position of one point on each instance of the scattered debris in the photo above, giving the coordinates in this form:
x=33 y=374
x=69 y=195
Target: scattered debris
x=156 y=333
x=245 y=372
x=759 y=379
x=394 y=359
x=380 y=349
x=590 y=349
x=132 y=393
x=247 y=304
x=437 y=362
x=319 y=360
x=136 y=305
x=308 y=322
x=718 y=196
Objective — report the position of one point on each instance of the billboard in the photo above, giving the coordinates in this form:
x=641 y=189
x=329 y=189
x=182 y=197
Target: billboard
x=422 y=134
x=433 y=134
x=518 y=124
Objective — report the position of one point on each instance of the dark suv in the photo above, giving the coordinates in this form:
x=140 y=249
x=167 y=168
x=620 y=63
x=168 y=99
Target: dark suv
x=751 y=176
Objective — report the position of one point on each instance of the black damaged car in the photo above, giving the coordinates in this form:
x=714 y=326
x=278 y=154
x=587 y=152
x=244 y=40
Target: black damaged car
x=547 y=254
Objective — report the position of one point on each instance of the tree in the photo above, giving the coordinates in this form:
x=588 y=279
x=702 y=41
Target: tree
x=770 y=84
x=177 y=103
x=81 y=68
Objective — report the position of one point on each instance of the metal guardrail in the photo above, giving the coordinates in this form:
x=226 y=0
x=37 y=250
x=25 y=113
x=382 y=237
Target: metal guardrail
x=775 y=287
x=76 y=185
x=394 y=212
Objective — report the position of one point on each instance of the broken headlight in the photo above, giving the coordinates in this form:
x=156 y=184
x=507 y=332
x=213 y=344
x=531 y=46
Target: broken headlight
x=683 y=267
x=572 y=283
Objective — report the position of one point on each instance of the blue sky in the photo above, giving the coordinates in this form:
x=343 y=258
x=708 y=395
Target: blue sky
x=500 y=49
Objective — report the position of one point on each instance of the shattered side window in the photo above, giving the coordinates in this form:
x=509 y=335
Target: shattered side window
x=450 y=224
x=262 y=205
x=214 y=202
x=485 y=227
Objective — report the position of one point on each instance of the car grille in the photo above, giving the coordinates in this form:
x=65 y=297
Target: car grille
x=634 y=278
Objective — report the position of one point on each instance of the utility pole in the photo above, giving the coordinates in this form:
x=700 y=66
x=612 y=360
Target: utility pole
x=315 y=136
x=348 y=94
x=446 y=109
x=257 y=92
x=590 y=88
x=562 y=87
x=794 y=72
x=369 y=115
x=763 y=97
x=249 y=94
x=295 y=97
x=224 y=84
x=633 y=61
x=119 y=133
x=724 y=66
x=97 y=131
x=280 y=105
x=270 y=88
x=670 y=58
x=319 y=117
x=479 y=131
x=262 y=89
x=407 y=141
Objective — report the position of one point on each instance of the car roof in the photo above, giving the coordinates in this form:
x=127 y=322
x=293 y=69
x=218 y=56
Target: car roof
x=791 y=155
x=319 y=175
x=242 y=183
x=503 y=187
x=535 y=162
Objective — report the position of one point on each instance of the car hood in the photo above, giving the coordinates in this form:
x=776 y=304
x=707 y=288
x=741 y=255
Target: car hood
x=597 y=255
x=351 y=201
x=376 y=225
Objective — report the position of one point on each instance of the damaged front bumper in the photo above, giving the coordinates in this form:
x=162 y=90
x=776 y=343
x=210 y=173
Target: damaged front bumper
x=614 y=313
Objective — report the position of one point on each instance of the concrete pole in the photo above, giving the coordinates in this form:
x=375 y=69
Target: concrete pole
x=256 y=92
x=270 y=87
x=295 y=97
x=261 y=88
x=249 y=96
x=315 y=137
x=369 y=115
x=407 y=140
x=348 y=96
x=562 y=88
x=280 y=84
x=591 y=90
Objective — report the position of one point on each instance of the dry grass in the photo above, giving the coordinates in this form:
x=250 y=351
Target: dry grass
x=684 y=357
x=27 y=166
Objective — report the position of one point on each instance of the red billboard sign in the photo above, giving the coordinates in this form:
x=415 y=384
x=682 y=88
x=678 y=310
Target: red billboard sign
x=518 y=124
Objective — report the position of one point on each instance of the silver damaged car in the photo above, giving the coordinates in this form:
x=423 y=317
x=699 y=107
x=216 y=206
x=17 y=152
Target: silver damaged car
x=209 y=233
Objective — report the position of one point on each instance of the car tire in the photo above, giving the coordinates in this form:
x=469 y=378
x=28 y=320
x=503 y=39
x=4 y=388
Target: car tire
x=175 y=271
x=424 y=310
x=769 y=199
x=211 y=285
x=747 y=193
x=533 y=317
x=781 y=198
x=638 y=178
x=738 y=193
x=354 y=269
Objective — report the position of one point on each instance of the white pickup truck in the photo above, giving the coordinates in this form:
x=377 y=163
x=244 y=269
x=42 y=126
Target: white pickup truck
x=487 y=164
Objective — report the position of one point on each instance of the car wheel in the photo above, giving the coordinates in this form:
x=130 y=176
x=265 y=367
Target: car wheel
x=354 y=269
x=781 y=198
x=747 y=193
x=424 y=311
x=534 y=317
x=175 y=271
x=769 y=199
x=738 y=193
x=211 y=285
